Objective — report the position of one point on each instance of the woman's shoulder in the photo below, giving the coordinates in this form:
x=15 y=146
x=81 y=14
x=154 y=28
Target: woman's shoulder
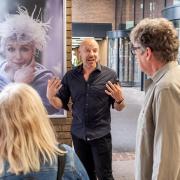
x=73 y=165
x=69 y=152
x=67 y=147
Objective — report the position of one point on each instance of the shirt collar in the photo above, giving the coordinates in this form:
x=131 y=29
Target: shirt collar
x=98 y=68
x=160 y=73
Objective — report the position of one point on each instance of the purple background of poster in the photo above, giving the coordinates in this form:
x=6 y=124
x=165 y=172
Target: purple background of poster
x=53 y=56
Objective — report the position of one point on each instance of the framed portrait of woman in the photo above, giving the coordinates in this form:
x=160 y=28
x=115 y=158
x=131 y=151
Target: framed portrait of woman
x=33 y=45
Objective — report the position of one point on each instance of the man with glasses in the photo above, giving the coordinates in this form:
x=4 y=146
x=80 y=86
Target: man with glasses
x=133 y=49
x=155 y=45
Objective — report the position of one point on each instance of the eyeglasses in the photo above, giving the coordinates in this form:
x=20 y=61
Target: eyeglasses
x=133 y=49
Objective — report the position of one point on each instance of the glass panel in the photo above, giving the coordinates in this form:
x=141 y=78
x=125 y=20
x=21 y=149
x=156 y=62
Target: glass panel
x=119 y=13
x=158 y=6
x=149 y=8
x=124 y=64
x=121 y=60
x=125 y=14
x=137 y=73
x=113 y=54
x=153 y=8
x=129 y=73
x=138 y=11
x=177 y=2
x=169 y=2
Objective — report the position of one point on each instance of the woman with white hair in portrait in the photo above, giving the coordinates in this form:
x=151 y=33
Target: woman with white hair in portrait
x=22 y=37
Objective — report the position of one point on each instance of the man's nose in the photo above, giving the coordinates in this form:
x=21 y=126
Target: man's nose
x=91 y=53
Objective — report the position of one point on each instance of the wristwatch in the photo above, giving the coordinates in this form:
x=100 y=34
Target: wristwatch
x=119 y=102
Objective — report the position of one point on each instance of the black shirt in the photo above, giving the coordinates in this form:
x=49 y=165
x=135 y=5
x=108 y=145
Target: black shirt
x=91 y=105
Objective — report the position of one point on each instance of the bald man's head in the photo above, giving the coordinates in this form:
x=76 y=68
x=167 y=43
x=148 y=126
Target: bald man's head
x=89 y=42
x=89 y=53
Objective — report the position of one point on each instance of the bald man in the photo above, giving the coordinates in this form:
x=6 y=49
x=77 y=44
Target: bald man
x=93 y=89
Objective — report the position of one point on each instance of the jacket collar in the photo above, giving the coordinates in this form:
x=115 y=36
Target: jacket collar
x=160 y=73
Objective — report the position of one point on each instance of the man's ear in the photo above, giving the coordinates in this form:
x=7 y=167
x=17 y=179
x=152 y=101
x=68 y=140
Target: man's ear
x=148 y=53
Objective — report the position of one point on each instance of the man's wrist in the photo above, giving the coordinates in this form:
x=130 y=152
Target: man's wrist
x=52 y=98
x=119 y=101
x=55 y=101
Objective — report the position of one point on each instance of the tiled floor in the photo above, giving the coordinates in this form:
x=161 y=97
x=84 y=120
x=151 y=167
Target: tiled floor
x=124 y=133
x=123 y=166
x=125 y=156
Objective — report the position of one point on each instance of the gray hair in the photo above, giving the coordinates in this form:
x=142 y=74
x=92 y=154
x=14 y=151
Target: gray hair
x=159 y=35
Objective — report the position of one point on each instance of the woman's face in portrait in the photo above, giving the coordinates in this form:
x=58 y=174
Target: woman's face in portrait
x=18 y=53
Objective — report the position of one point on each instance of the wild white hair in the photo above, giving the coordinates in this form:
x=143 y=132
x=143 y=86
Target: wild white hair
x=24 y=28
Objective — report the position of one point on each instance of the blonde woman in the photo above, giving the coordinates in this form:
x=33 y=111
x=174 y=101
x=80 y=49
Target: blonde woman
x=28 y=147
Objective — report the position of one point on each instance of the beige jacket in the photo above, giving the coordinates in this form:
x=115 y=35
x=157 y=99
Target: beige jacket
x=158 y=131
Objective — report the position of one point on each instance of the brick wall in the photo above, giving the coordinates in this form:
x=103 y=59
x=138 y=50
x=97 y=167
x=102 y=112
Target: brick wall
x=93 y=11
x=62 y=125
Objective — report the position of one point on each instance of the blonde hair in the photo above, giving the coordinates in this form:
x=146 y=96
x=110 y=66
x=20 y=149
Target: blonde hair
x=26 y=136
x=158 y=34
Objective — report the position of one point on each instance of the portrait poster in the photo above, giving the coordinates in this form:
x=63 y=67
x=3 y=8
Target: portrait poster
x=39 y=43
